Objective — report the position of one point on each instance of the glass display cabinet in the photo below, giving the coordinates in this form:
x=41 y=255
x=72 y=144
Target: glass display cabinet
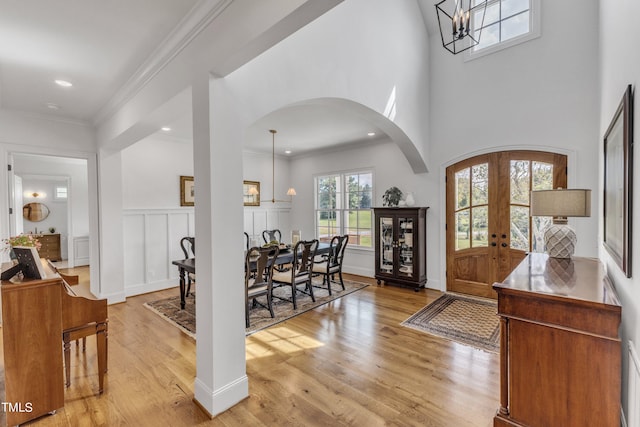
x=401 y=253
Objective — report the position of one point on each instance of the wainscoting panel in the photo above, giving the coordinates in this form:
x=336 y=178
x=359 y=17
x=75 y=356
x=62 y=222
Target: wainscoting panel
x=633 y=402
x=151 y=242
x=81 y=251
x=156 y=247
x=134 y=250
x=258 y=219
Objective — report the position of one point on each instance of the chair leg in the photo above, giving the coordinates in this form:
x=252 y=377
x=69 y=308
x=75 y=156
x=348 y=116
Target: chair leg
x=270 y=304
x=188 y=287
x=294 y=289
x=310 y=286
x=246 y=314
x=341 y=281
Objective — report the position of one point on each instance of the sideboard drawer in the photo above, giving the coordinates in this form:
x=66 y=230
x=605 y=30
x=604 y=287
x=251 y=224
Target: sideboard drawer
x=50 y=248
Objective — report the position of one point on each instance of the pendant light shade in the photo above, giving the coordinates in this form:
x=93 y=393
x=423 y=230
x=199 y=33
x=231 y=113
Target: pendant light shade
x=460 y=23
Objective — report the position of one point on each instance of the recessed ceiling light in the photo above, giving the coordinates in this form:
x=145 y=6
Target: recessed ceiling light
x=287 y=151
x=63 y=83
x=371 y=134
x=165 y=129
x=52 y=106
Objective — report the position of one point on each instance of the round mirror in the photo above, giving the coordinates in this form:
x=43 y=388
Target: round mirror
x=35 y=211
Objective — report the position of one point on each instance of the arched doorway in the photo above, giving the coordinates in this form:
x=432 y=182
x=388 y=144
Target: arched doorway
x=488 y=228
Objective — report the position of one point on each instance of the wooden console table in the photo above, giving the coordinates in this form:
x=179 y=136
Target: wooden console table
x=559 y=346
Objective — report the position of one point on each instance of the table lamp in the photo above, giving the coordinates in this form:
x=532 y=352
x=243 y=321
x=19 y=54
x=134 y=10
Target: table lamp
x=560 y=239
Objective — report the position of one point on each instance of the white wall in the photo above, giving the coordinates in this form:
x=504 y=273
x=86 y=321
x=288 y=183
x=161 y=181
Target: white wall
x=620 y=66
x=151 y=172
x=541 y=94
x=363 y=51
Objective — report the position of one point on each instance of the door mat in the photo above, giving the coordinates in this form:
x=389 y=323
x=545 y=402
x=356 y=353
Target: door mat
x=467 y=320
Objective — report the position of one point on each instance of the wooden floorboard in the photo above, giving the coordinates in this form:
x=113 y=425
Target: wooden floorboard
x=348 y=362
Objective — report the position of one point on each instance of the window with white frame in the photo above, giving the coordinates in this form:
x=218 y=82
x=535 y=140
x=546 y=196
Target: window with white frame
x=343 y=206
x=61 y=192
x=506 y=23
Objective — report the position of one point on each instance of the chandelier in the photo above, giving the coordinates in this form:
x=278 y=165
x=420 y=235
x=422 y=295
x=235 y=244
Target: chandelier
x=291 y=191
x=460 y=26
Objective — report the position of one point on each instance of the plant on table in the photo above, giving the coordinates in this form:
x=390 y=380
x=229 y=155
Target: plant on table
x=28 y=240
x=392 y=197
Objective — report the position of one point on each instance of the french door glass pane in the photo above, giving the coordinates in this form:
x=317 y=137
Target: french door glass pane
x=480 y=231
x=538 y=224
x=519 y=184
x=542 y=176
x=462 y=188
x=520 y=227
x=480 y=184
x=462 y=230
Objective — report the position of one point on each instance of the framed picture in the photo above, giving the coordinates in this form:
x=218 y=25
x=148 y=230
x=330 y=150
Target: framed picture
x=186 y=191
x=251 y=193
x=29 y=259
x=618 y=178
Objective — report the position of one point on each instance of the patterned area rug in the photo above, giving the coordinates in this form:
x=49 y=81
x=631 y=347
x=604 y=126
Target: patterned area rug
x=169 y=308
x=467 y=320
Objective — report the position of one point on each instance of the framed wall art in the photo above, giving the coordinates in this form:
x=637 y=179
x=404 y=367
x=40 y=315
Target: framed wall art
x=186 y=191
x=618 y=178
x=251 y=193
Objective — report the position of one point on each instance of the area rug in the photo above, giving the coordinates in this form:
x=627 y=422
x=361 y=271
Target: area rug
x=467 y=320
x=169 y=308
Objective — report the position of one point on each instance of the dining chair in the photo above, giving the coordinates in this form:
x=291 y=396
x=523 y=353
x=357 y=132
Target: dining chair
x=258 y=278
x=300 y=272
x=330 y=264
x=246 y=241
x=188 y=246
x=272 y=235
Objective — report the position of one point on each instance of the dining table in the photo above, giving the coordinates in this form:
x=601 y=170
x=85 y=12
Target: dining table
x=186 y=266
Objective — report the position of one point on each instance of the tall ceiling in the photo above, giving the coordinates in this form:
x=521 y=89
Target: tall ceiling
x=99 y=45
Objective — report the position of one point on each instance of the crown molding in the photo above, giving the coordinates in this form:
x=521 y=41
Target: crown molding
x=47 y=117
x=198 y=18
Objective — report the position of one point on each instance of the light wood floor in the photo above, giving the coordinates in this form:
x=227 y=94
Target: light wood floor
x=348 y=362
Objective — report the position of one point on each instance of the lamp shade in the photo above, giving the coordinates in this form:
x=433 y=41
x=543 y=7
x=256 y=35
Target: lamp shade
x=291 y=192
x=560 y=203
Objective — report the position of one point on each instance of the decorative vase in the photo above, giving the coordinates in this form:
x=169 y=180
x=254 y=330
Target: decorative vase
x=410 y=201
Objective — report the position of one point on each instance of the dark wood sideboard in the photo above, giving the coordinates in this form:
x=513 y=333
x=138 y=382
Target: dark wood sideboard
x=559 y=346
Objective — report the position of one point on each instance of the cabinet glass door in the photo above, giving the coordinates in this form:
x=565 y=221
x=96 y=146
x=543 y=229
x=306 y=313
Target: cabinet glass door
x=405 y=247
x=386 y=244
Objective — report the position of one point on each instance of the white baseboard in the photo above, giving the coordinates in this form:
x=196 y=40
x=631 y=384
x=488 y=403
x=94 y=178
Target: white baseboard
x=218 y=401
x=145 y=288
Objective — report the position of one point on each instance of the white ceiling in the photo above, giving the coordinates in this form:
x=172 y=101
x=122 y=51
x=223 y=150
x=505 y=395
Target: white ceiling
x=98 y=45
x=94 y=44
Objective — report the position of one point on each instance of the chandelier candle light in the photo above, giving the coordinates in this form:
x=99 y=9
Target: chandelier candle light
x=559 y=238
x=291 y=191
x=456 y=22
